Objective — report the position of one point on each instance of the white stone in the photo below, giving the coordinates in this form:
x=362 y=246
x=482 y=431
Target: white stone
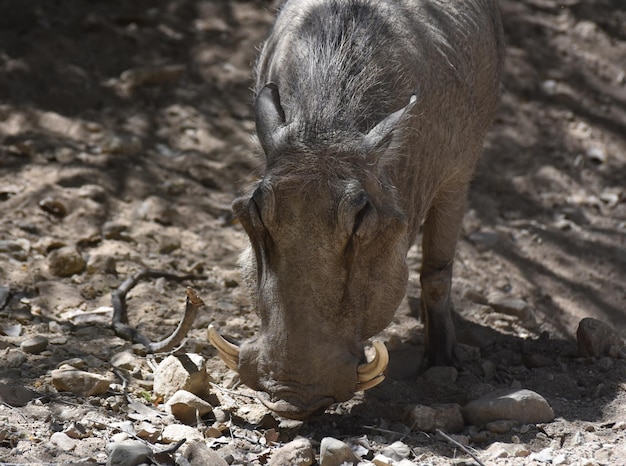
x=523 y=406
x=184 y=372
x=334 y=452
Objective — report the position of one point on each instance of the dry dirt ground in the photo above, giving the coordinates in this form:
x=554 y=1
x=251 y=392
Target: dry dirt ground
x=125 y=133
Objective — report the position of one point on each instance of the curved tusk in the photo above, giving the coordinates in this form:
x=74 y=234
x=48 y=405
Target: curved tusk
x=369 y=371
x=228 y=352
x=362 y=386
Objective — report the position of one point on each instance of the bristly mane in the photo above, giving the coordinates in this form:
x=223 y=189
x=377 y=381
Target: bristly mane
x=335 y=70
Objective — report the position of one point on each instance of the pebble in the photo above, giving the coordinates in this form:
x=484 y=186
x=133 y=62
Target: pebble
x=187 y=407
x=447 y=417
x=62 y=441
x=16 y=396
x=14 y=358
x=595 y=338
x=182 y=372
x=484 y=239
x=155 y=209
x=34 y=345
x=115 y=231
x=382 y=460
x=506 y=450
x=516 y=307
x=523 y=406
x=544 y=456
x=70 y=379
x=65 y=262
x=500 y=427
x=198 y=454
x=441 y=375
x=176 y=432
x=532 y=360
x=334 y=452
x=121 y=144
x=53 y=206
x=5 y=292
x=16 y=249
x=76 y=430
x=127 y=453
x=124 y=360
x=298 y=452
x=396 y=451
x=101 y=264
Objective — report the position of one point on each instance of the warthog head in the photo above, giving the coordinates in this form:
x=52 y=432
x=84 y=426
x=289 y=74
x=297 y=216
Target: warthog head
x=326 y=265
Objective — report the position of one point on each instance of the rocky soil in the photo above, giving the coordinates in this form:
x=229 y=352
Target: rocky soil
x=125 y=133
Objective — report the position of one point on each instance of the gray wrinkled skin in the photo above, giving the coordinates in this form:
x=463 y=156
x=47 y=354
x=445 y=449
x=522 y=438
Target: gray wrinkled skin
x=354 y=166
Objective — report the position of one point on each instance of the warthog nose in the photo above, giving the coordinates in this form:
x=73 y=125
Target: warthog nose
x=289 y=404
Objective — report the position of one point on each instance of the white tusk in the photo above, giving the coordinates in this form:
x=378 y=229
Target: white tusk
x=362 y=386
x=369 y=371
x=228 y=352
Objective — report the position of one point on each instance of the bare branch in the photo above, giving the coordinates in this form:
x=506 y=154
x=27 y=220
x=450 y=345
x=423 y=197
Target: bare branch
x=120 y=313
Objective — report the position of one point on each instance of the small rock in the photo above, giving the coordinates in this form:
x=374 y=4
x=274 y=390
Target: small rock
x=298 y=452
x=544 y=456
x=155 y=209
x=595 y=338
x=121 y=144
x=148 y=431
x=70 y=379
x=152 y=76
x=76 y=430
x=187 y=407
x=489 y=368
x=124 y=360
x=596 y=155
x=14 y=358
x=523 y=406
x=447 y=417
x=127 y=453
x=334 y=452
x=514 y=307
x=16 y=249
x=605 y=364
x=500 y=427
x=53 y=206
x=115 y=231
x=484 y=239
x=5 y=292
x=559 y=459
x=101 y=264
x=441 y=375
x=536 y=360
x=289 y=427
x=198 y=454
x=176 y=432
x=396 y=451
x=466 y=353
x=62 y=441
x=65 y=262
x=183 y=372
x=34 y=345
x=382 y=460
x=17 y=396
x=506 y=450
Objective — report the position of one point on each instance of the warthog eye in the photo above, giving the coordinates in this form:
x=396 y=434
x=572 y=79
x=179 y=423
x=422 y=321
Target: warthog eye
x=364 y=206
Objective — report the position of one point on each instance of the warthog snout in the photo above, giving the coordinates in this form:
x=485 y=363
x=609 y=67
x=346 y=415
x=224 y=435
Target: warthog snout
x=325 y=380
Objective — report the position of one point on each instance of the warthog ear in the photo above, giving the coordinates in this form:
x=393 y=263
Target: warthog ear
x=380 y=135
x=269 y=118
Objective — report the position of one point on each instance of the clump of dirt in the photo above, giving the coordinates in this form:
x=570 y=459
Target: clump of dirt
x=125 y=134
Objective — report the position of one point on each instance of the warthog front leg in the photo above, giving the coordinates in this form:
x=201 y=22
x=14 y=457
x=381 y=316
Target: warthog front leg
x=440 y=234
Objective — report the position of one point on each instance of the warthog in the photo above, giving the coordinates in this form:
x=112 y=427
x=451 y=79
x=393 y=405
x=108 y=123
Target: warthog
x=371 y=115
